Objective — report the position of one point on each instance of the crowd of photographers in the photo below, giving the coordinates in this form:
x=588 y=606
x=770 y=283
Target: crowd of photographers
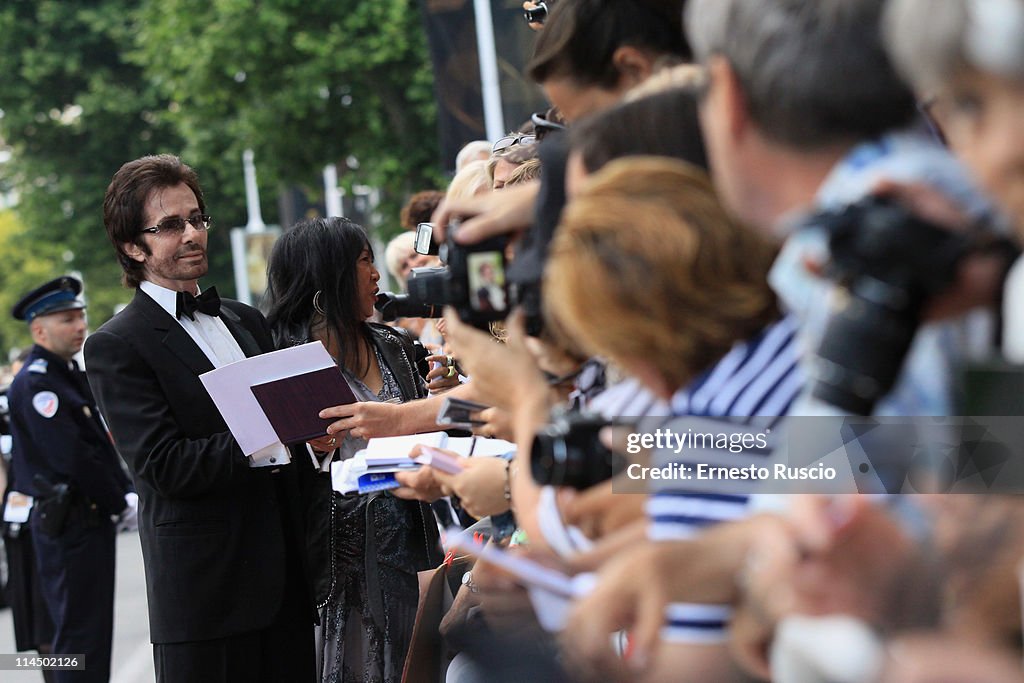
x=759 y=219
x=750 y=212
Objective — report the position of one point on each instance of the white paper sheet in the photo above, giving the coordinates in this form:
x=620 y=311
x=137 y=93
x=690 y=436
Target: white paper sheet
x=230 y=387
x=388 y=450
x=485 y=447
x=345 y=473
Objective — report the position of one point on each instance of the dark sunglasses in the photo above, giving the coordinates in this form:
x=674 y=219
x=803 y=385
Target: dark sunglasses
x=512 y=140
x=171 y=226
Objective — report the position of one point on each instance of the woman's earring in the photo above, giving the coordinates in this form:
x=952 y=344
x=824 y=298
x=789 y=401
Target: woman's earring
x=316 y=304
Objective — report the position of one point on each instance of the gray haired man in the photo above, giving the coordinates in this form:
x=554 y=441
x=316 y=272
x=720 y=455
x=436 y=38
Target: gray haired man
x=804 y=112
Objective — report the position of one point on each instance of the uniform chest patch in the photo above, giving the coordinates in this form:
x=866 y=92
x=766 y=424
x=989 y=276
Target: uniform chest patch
x=45 y=403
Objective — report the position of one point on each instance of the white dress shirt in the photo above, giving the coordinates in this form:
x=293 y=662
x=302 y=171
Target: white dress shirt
x=208 y=331
x=212 y=336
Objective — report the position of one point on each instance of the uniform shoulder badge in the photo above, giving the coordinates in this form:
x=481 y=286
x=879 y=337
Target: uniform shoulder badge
x=38 y=365
x=46 y=403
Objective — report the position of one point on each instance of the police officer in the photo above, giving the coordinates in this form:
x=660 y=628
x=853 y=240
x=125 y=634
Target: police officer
x=64 y=459
x=33 y=628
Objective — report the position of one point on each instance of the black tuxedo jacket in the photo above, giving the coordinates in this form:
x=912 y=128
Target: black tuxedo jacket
x=210 y=525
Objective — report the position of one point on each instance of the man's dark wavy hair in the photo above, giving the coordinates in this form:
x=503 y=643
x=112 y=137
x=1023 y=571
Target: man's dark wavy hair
x=124 y=206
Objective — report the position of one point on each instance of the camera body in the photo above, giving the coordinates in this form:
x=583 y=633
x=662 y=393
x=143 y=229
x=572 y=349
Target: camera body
x=568 y=452
x=889 y=264
x=519 y=285
x=473 y=281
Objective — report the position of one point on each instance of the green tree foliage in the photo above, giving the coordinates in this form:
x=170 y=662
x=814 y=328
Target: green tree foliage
x=35 y=264
x=73 y=111
x=90 y=84
x=302 y=82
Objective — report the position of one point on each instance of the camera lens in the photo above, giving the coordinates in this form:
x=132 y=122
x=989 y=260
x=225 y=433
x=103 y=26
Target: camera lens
x=569 y=453
x=889 y=263
x=548 y=461
x=394 y=306
x=429 y=286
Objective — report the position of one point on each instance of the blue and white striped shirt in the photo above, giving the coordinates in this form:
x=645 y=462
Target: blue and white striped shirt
x=758 y=380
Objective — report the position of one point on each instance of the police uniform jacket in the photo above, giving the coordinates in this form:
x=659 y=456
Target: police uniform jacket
x=59 y=437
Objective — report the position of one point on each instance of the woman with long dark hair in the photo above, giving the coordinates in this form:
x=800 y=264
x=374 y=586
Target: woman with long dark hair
x=364 y=550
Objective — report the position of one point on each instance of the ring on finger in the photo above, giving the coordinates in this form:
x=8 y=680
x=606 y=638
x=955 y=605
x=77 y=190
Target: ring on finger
x=450 y=360
x=451 y=371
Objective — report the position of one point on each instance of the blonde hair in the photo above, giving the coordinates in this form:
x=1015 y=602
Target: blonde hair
x=646 y=265
x=469 y=181
x=399 y=248
x=525 y=172
x=472 y=151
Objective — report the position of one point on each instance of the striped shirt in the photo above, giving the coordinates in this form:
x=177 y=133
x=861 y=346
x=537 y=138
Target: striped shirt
x=756 y=383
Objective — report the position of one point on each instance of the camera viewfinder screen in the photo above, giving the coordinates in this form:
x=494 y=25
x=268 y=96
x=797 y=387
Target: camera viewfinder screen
x=487 y=281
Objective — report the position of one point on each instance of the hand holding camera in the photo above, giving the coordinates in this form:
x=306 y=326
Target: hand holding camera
x=508 y=212
x=897 y=256
x=494 y=423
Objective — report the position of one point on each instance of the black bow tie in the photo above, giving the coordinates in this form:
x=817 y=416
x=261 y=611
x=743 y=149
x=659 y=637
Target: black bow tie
x=208 y=302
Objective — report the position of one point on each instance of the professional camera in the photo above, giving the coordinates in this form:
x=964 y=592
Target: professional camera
x=537 y=15
x=568 y=452
x=473 y=281
x=890 y=263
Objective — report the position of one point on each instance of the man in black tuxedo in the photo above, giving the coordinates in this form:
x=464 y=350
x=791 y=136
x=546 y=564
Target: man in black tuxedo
x=228 y=598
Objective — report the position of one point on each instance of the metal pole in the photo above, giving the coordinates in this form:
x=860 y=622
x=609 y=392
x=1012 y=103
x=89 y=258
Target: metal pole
x=238 y=260
x=252 y=194
x=494 y=120
x=332 y=198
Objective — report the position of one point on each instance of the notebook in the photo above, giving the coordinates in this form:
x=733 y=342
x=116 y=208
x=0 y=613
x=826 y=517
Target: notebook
x=293 y=404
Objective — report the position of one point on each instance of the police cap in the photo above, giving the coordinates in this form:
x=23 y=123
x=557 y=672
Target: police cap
x=53 y=297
